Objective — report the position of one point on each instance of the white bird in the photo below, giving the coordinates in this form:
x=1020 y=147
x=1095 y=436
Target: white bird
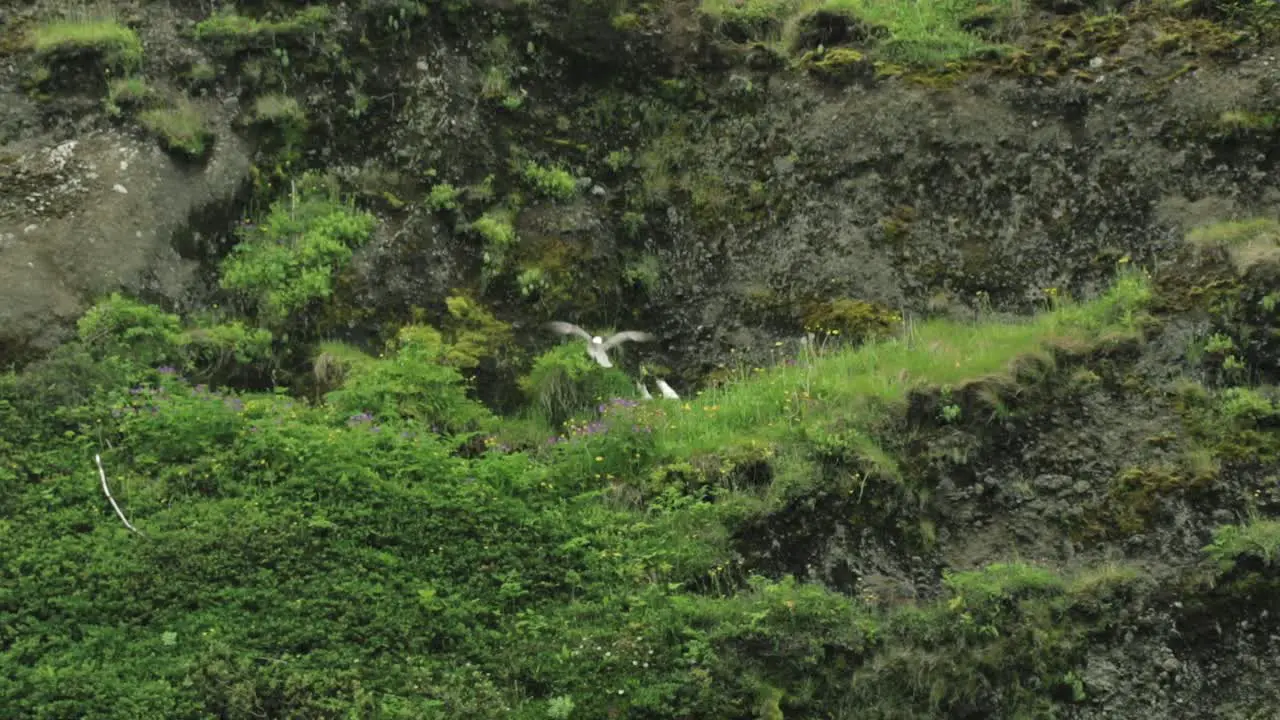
x=598 y=347
x=644 y=391
x=667 y=391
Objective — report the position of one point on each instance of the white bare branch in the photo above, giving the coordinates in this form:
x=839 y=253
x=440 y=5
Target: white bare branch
x=106 y=490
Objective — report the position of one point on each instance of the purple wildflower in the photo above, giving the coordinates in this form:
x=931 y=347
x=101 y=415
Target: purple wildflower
x=167 y=370
x=359 y=418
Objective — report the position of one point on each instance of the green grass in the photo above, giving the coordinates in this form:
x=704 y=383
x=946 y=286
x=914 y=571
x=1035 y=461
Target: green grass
x=1258 y=538
x=240 y=30
x=924 y=33
x=182 y=129
x=1249 y=242
x=278 y=108
x=553 y=182
x=118 y=45
x=928 y=32
x=1236 y=232
x=860 y=387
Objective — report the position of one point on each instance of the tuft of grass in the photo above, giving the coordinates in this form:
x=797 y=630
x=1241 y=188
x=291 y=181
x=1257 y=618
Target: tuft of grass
x=1236 y=232
x=1258 y=538
x=921 y=33
x=181 y=129
x=929 y=32
x=1249 y=242
x=278 y=108
x=128 y=92
x=232 y=30
x=117 y=45
x=553 y=182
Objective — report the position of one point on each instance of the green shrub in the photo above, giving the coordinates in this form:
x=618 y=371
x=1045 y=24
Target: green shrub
x=120 y=327
x=211 y=350
x=565 y=381
x=288 y=261
x=443 y=197
x=413 y=384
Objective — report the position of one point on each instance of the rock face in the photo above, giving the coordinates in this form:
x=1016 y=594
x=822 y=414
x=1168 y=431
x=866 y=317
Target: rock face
x=100 y=212
x=904 y=195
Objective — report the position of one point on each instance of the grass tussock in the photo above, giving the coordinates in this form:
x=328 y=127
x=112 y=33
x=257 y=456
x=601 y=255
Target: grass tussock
x=116 y=44
x=182 y=129
x=924 y=33
x=1249 y=242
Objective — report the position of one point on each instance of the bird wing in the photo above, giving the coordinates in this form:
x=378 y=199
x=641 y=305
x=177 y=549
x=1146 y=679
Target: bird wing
x=565 y=328
x=618 y=338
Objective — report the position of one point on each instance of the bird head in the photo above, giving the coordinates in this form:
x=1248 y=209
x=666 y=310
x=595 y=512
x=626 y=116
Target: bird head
x=597 y=340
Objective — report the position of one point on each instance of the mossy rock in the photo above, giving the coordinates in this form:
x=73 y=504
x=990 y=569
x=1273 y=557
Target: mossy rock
x=838 y=64
x=855 y=320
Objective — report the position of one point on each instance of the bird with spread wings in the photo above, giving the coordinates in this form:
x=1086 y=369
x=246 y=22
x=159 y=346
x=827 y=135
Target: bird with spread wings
x=598 y=347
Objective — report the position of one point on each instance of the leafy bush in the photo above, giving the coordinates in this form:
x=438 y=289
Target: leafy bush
x=413 y=384
x=120 y=327
x=289 y=260
x=565 y=381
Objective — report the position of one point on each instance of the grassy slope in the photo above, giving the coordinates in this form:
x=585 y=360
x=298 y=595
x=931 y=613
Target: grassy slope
x=298 y=562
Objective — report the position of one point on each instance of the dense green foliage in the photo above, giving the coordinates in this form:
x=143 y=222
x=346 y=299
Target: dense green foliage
x=289 y=260
x=345 y=559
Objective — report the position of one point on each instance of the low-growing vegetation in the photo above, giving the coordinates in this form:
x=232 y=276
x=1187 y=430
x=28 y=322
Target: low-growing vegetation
x=116 y=45
x=182 y=129
x=289 y=260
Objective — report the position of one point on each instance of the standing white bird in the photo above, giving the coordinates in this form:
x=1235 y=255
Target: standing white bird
x=644 y=391
x=598 y=347
x=667 y=391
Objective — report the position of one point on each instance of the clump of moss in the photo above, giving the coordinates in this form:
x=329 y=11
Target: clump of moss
x=118 y=46
x=553 y=182
x=1135 y=497
x=854 y=320
x=182 y=129
x=842 y=64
